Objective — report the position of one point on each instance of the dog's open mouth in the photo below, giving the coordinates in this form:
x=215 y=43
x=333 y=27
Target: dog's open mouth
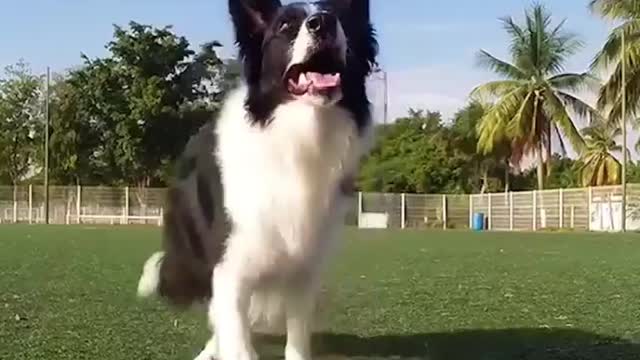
x=320 y=75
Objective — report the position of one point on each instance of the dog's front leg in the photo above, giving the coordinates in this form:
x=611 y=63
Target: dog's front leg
x=229 y=309
x=300 y=307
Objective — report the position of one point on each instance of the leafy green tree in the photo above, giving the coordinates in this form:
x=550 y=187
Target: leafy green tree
x=633 y=172
x=415 y=154
x=564 y=172
x=73 y=138
x=534 y=102
x=124 y=118
x=599 y=166
x=609 y=58
x=485 y=168
x=21 y=122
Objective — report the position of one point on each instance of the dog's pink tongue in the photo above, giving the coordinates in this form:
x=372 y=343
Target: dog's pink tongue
x=324 y=81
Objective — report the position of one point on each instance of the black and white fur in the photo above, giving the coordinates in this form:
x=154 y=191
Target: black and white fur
x=261 y=192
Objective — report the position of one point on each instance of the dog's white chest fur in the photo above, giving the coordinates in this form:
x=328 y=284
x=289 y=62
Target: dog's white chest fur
x=282 y=183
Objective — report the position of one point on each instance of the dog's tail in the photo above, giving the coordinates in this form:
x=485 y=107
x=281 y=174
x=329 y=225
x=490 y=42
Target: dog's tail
x=150 y=279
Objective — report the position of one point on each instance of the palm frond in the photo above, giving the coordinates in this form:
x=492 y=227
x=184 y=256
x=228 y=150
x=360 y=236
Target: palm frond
x=610 y=96
x=637 y=146
x=492 y=128
x=579 y=107
x=563 y=147
x=560 y=48
x=575 y=82
x=495 y=89
x=523 y=122
x=610 y=52
x=557 y=112
x=615 y=9
x=500 y=67
x=547 y=49
x=514 y=30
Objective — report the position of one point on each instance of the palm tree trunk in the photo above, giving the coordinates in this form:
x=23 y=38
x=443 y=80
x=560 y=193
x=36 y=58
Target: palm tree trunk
x=548 y=150
x=507 y=179
x=485 y=181
x=541 y=172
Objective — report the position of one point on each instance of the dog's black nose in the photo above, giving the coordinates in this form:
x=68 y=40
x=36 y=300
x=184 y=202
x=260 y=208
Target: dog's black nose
x=322 y=24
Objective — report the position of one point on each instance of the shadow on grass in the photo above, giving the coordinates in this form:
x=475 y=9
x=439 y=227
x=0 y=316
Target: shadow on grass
x=509 y=344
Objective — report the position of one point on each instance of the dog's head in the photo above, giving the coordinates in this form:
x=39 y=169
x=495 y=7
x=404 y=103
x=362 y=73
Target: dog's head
x=319 y=52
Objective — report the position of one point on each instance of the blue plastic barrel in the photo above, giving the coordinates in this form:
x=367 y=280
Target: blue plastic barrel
x=478 y=222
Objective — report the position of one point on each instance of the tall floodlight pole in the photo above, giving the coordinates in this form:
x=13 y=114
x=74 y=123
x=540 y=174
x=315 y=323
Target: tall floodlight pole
x=46 y=149
x=624 y=132
x=386 y=97
x=385 y=79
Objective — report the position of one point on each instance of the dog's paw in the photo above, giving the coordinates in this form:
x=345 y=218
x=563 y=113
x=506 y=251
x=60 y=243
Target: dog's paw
x=204 y=355
x=210 y=351
x=295 y=354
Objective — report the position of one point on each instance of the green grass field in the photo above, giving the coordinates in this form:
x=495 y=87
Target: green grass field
x=69 y=293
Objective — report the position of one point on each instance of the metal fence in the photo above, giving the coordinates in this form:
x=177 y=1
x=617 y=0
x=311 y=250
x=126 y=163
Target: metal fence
x=81 y=204
x=593 y=209
x=596 y=208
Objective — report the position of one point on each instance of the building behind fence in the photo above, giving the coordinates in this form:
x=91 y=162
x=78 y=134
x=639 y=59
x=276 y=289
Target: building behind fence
x=596 y=208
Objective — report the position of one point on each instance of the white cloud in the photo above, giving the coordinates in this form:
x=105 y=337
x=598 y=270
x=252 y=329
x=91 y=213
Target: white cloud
x=443 y=88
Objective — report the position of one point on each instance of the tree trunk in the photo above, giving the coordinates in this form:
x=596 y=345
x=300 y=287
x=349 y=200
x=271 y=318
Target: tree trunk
x=548 y=149
x=485 y=181
x=541 y=172
x=507 y=179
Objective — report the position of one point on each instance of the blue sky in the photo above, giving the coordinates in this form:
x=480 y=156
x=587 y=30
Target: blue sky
x=427 y=46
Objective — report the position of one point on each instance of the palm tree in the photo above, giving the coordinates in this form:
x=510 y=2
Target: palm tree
x=608 y=59
x=465 y=122
x=598 y=165
x=534 y=102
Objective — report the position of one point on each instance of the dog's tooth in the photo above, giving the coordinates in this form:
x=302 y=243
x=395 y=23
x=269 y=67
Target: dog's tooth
x=303 y=79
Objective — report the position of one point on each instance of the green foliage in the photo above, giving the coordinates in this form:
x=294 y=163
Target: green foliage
x=73 y=138
x=420 y=154
x=126 y=117
x=610 y=62
x=599 y=167
x=20 y=122
x=414 y=155
x=534 y=102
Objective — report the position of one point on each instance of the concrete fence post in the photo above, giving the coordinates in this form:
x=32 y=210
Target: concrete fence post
x=589 y=207
x=30 y=204
x=126 y=206
x=489 y=211
x=403 y=211
x=535 y=210
x=360 y=207
x=561 y=208
x=470 y=211
x=444 y=212
x=511 y=211
x=15 y=204
x=78 y=203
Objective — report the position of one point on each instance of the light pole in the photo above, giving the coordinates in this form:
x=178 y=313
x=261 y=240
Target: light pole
x=385 y=79
x=46 y=149
x=623 y=96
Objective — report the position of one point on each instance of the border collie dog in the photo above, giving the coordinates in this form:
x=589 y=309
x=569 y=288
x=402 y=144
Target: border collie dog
x=260 y=193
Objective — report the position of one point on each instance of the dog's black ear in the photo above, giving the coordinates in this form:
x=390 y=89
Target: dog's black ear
x=250 y=19
x=356 y=20
x=360 y=9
